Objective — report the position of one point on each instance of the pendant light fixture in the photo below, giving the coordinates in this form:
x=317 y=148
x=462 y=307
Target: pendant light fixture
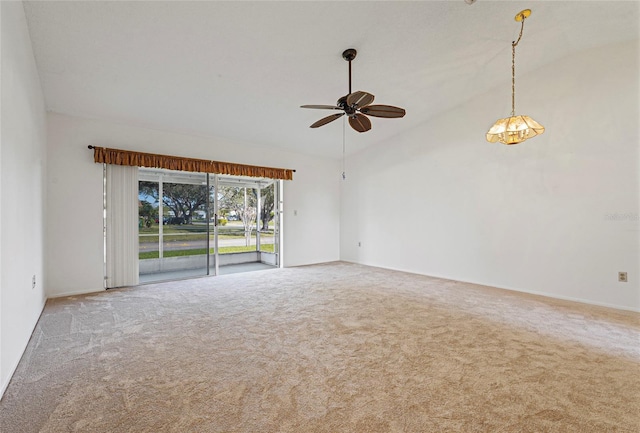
x=515 y=129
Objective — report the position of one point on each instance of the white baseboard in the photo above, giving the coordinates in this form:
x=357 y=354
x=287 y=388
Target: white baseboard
x=76 y=293
x=530 y=292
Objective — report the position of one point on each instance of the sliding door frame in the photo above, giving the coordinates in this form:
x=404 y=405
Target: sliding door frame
x=213 y=183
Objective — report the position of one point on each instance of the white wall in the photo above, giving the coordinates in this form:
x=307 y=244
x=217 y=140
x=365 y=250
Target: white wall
x=556 y=215
x=22 y=145
x=74 y=222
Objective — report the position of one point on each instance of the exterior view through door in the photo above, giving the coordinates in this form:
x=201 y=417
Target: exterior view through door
x=197 y=224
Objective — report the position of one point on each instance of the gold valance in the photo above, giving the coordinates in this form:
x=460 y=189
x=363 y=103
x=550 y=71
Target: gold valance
x=126 y=157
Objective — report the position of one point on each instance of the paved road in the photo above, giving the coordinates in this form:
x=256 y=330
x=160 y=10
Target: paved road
x=189 y=245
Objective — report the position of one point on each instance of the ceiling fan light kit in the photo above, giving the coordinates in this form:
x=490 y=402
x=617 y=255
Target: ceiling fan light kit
x=356 y=105
x=514 y=129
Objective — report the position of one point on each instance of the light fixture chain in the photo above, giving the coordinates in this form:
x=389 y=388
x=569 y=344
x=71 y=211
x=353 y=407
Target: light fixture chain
x=513 y=69
x=513 y=79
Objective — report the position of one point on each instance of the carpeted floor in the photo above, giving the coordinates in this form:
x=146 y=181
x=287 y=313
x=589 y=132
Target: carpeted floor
x=326 y=348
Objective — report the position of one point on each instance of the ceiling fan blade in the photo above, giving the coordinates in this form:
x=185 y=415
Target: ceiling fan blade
x=326 y=120
x=388 y=111
x=322 y=107
x=360 y=122
x=360 y=99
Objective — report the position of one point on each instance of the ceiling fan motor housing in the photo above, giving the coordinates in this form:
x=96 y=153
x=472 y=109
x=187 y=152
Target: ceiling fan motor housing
x=342 y=103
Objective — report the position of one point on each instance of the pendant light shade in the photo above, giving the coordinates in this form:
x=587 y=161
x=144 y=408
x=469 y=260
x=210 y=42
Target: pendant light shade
x=517 y=128
x=514 y=130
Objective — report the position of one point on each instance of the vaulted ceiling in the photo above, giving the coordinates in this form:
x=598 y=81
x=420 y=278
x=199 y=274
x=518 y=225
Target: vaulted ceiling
x=241 y=69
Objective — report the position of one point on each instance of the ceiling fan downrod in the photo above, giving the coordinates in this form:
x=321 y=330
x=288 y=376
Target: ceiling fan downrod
x=349 y=54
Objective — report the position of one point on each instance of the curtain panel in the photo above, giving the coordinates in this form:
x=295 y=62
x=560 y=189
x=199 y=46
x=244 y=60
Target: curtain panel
x=138 y=159
x=122 y=226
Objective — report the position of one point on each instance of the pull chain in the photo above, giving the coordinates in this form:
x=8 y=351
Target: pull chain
x=344 y=120
x=513 y=70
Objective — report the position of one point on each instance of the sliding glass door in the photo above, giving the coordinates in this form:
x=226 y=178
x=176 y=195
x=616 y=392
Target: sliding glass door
x=195 y=224
x=269 y=224
x=173 y=223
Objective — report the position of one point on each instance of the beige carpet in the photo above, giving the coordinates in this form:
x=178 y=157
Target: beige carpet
x=326 y=348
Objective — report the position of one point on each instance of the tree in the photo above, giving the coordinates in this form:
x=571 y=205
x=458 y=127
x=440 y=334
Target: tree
x=183 y=199
x=268 y=203
x=242 y=201
x=147 y=212
x=248 y=217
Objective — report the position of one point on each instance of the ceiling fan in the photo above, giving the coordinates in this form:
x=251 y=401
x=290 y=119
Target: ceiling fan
x=356 y=105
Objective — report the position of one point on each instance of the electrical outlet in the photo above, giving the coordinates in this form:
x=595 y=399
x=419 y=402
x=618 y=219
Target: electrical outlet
x=33 y=282
x=622 y=277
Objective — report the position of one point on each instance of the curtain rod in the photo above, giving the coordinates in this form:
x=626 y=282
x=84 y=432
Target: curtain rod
x=93 y=147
